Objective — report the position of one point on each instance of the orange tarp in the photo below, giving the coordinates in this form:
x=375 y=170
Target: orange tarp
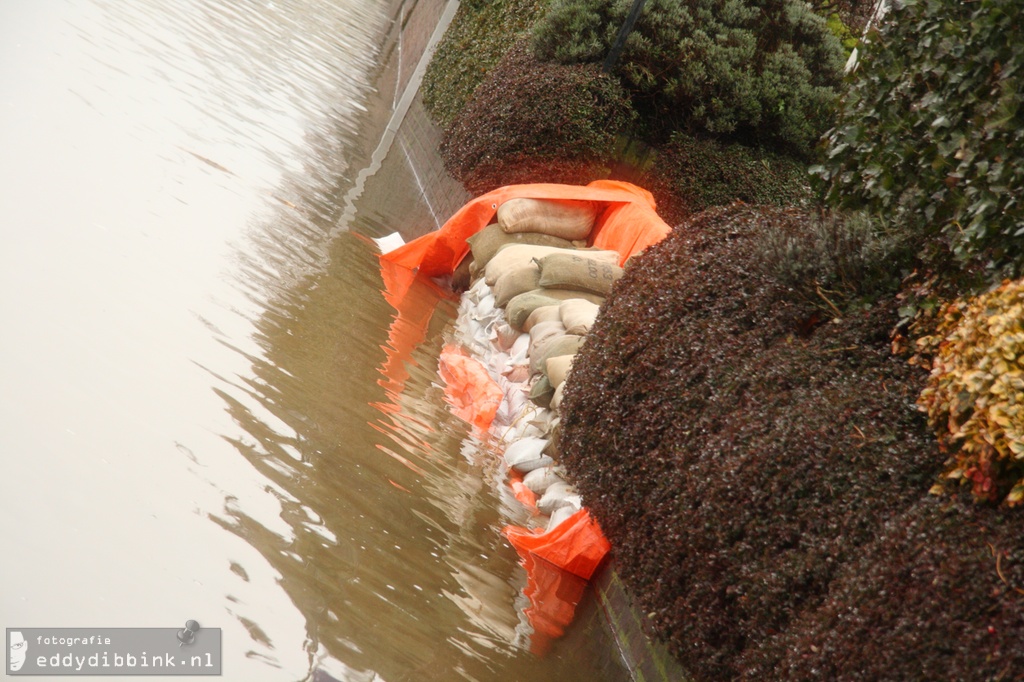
x=576 y=545
x=469 y=389
x=554 y=594
x=628 y=223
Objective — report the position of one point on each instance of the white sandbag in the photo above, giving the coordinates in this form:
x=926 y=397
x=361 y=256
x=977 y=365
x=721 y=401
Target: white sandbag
x=517 y=373
x=559 y=516
x=512 y=404
x=527 y=465
x=525 y=449
x=557 y=495
x=503 y=335
x=519 y=353
x=497 y=362
x=578 y=315
x=557 y=368
x=539 y=480
x=563 y=218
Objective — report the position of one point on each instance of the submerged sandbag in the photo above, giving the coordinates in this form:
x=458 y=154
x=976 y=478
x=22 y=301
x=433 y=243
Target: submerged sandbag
x=525 y=454
x=488 y=241
x=514 y=282
x=579 y=272
x=556 y=496
x=559 y=515
x=567 y=219
x=541 y=479
x=578 y=315
x=505 y=335
x=518 y=255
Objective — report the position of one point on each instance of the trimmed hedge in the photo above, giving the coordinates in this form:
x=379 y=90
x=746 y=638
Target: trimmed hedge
x=479 y=36
x=546 y=111
x=763 y=473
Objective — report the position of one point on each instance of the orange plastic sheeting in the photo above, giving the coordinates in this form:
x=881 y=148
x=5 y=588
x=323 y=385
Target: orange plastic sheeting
x=554 y=594
x=526 y=496
x=576 y=545
x=629 y=224
x=469 y=389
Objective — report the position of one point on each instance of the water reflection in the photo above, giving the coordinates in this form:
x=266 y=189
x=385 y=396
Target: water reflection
x=186 y=340
x=395 y=555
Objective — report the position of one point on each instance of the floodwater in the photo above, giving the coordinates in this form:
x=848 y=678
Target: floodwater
x=205 y=415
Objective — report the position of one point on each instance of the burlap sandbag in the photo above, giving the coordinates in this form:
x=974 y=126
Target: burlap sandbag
x=541 y=333
x=519 y=308
x=562 y=344
x=556 y=397
x=546 y=313
x=515 y=282
x=515 y=256
x=462 y=277
x=556 y=217
x=557 y=368
x=578 y=315
x=578 y=272
x=488 y=241
x=541 y=392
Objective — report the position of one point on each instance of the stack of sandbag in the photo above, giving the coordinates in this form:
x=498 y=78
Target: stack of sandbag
x=534 y=292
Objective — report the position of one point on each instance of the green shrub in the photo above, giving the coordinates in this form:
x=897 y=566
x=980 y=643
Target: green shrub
x=975 y=395
x=931 y=133
x=525 y=108
x=831 y=259
x=763 y=71
x=477 y=39
x=704 y=172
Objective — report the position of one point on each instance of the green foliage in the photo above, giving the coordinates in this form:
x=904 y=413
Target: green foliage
x=931 y=133
x=478 y=37
x=831 y=259
x=763 y=71
x=974 y=395
x=702 y=173
x=842 y=31
x=528 y=109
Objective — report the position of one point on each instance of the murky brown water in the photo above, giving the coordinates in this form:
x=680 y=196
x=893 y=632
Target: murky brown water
x=197 y=422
